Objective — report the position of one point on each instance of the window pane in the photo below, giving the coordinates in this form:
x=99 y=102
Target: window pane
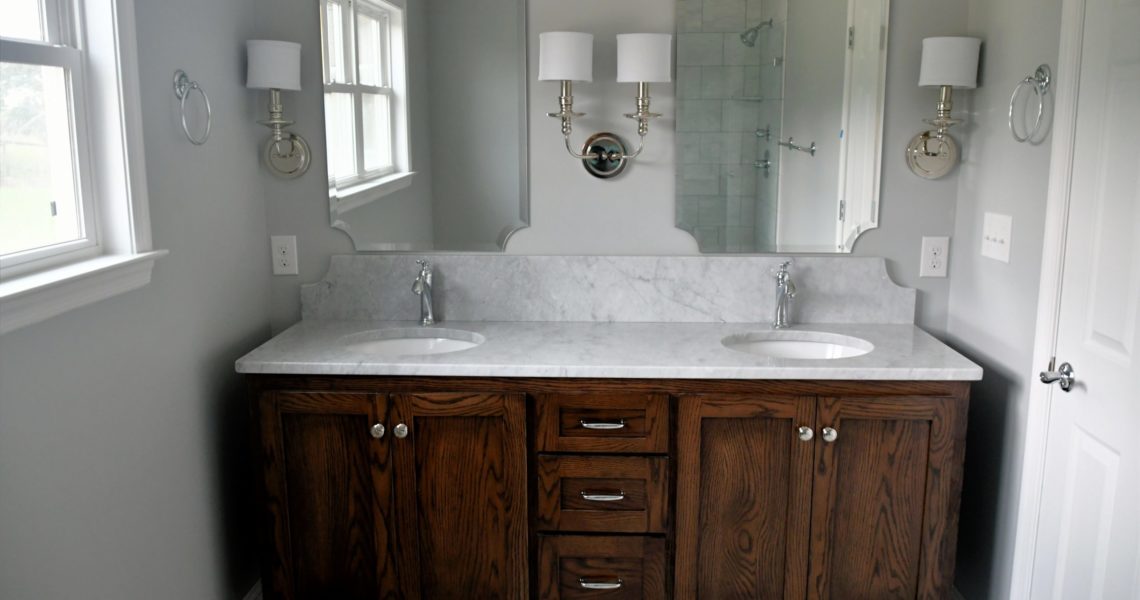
x=377 y=132
x=334 y=42
x=22 y=19
x=371 y=34
x=39 y=205
x=339 y=117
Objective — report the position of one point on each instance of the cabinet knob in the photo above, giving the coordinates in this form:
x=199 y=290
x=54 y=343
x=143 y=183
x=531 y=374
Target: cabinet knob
x=400 y=431
x=805 y=433
x=377 y=430
x=830 y=435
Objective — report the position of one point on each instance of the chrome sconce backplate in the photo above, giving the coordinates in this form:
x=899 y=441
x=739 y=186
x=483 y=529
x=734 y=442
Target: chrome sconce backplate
x=932 y=154
x=609 y=155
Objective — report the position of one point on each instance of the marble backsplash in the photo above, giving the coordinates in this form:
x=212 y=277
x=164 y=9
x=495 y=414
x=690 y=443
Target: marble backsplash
x=696 y=289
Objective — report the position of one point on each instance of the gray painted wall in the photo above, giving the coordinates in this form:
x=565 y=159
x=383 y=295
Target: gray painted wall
x=123 y=437
x=993 y=305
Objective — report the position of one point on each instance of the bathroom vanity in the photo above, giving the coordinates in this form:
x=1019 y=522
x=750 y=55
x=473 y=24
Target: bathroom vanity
x=576 y=459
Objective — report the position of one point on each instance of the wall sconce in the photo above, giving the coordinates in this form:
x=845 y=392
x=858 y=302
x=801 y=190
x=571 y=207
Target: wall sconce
x=273 y=65
x=643 y=58
x=947 y=63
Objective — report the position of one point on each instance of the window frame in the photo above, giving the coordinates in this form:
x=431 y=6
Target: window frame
x=123 y=258
x=365 y=185
x=64 y=49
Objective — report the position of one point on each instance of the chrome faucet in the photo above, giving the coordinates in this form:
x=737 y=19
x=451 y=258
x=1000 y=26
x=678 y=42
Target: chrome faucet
x=785 y=291
x=422 y=288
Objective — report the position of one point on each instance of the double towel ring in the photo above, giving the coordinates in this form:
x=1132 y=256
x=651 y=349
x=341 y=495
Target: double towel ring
x=1038 y=83
x=182 y=88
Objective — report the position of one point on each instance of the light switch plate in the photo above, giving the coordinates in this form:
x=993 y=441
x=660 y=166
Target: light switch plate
x=997 y=230
x=935 y=256
x=284 y=249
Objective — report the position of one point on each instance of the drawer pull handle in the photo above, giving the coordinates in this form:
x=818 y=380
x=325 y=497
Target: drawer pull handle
x=600 y=496
x=597 y=584
x=602 y=425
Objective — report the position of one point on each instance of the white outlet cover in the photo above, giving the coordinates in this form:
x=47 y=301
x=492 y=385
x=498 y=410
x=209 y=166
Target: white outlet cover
x=997 y=232
x=284 y=251
x=935 y=256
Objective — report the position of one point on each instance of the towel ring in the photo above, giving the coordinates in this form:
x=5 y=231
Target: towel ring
x=182 y=88
x=1039 y=84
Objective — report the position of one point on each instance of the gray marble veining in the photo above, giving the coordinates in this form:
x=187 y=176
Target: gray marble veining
x=617 y=350
x=620 y=289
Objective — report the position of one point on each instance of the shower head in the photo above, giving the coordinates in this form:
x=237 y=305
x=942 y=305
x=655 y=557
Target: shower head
x=748 y=37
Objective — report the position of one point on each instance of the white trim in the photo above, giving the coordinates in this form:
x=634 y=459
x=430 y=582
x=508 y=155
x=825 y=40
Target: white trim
x=1049 y=296
x=33 y=298
x=346 y=199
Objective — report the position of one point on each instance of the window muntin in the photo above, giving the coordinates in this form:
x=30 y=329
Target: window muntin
x=362 y=98
x=47 y=208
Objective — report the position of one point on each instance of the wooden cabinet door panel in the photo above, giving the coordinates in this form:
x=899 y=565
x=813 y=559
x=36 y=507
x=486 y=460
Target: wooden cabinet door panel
x=468 y=456
x=743 y=496
x=885 y=501
x=328 y=490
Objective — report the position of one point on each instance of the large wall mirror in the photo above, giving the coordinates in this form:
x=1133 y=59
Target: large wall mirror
x=779 y=122
x=425 y=122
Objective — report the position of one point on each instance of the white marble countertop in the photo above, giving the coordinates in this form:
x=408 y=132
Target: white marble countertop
x=609 y=350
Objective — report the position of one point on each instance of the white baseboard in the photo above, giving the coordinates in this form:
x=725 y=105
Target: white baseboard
x=254 y=592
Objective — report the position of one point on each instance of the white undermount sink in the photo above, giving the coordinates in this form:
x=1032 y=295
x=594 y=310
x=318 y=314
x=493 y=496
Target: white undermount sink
x=798 y=344
x=411 y=341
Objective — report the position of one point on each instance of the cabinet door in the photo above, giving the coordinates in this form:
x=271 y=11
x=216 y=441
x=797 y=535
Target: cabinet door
x=743 y=496
x=885 y=503
x=468 y=456
x=329 y=492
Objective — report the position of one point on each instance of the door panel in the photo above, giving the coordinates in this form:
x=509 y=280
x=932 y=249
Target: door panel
x=329 y=488
x=885 y=497
x=1087 y=532
x=468 y=452
x=743 y=496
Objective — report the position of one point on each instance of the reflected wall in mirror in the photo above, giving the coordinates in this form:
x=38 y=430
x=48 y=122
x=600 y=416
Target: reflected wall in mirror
x=425 y=106
x=779 y=122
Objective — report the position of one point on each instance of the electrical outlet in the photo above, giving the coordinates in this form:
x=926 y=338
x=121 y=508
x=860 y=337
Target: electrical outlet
x=284 y=249
x=935 y=256
x=997 y=232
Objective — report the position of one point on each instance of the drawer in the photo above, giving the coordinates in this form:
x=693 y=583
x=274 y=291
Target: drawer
x=628 y=567
x=608 y=423
x=626 y=494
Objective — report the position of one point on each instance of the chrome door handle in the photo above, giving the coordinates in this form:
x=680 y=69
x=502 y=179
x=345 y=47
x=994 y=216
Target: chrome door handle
x=602 y=425
x=400 y=431
x=608 y=584
x=377 y=430
x=830 y=434
x=805 y=433
x=603 y=496
x=1064 y=374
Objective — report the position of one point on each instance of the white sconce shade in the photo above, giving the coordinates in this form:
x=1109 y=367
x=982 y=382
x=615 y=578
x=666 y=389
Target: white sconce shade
x=644 y=57
x=272 y=64
x=950 y=61
x=565 y=56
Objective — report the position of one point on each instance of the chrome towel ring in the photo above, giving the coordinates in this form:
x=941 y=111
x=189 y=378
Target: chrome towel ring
x=1038 y=83
x=182 y=88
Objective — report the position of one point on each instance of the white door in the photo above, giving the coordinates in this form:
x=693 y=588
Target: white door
x=1088 y=528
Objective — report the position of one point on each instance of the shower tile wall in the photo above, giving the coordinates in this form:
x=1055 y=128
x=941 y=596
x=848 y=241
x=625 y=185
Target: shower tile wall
x=726 y=91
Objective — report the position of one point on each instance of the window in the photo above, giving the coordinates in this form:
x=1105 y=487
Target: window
x=73 y=216
x=365 y=99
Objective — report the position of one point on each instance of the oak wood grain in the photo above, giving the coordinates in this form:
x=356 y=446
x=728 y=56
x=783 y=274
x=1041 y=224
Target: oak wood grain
x=644 y=479
x=743 y=496
x=639 y=562
x=469 y=487
x=645 y=419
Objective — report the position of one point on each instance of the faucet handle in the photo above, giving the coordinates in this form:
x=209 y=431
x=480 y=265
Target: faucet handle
x=783 y=268
x=425 y=266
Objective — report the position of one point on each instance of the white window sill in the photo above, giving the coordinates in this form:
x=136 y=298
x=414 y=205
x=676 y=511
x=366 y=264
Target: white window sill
x=353 y=197
x=29 y=299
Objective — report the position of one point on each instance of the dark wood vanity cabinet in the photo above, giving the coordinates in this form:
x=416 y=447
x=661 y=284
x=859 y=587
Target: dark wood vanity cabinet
x=434 y=505
x=509 y=488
